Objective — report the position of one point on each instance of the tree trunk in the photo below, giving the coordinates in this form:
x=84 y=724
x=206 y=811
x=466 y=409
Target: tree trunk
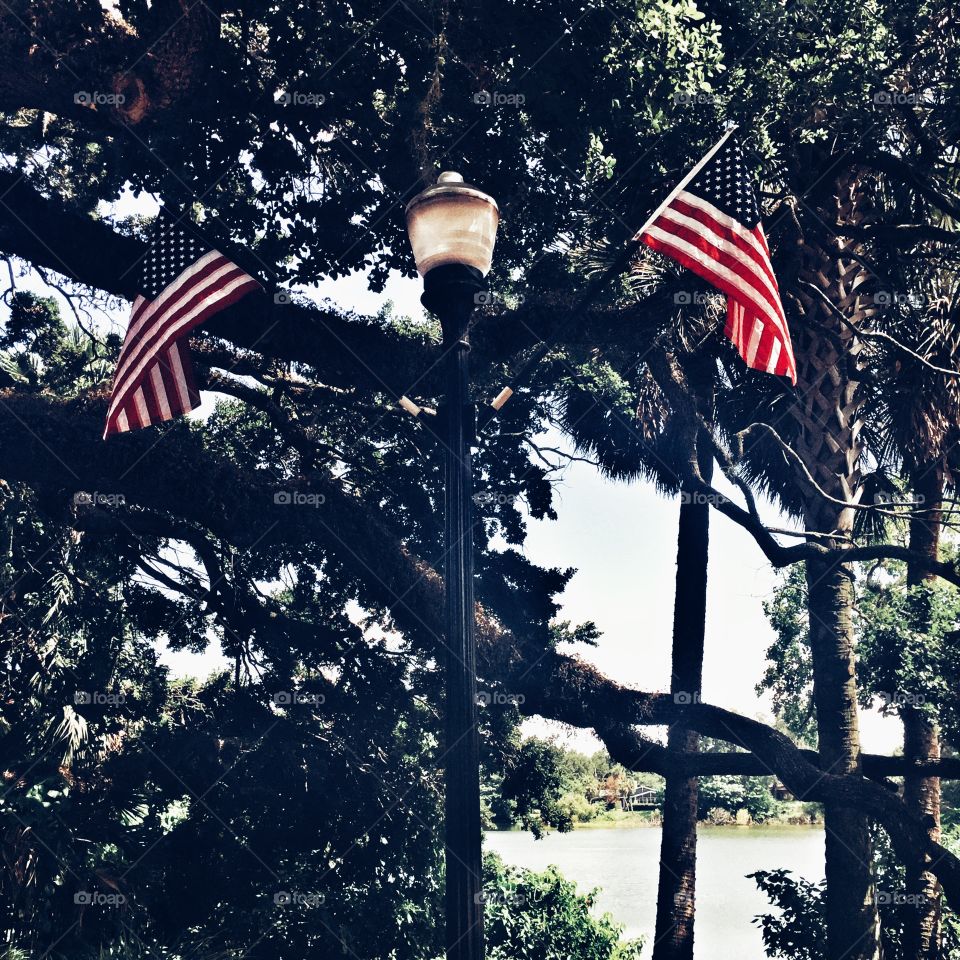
x=853 y=926
x=828 y=408
x=921 y=740
x=922 y=923
x=673 y=939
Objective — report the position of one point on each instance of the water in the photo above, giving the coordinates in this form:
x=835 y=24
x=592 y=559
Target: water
x=623 y=863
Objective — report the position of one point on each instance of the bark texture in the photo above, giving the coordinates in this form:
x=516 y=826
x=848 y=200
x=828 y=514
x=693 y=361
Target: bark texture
x=921 y=741
x=853 y=925
x=83 y=60
x=829 y=445
x=676 y=890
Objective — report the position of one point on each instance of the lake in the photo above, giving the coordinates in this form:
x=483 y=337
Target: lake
x=622 y=862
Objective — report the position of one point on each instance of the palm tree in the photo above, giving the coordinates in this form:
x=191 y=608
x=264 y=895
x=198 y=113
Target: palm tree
x=829 y=414
x=643 y=442
x=902 y=413
x=676 y=887
x=915 y=425
x=826 y=286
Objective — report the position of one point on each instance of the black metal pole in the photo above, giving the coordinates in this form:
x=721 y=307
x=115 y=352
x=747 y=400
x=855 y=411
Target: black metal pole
x=449 y=293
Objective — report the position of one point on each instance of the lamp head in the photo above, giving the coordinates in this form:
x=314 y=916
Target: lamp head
x=452 y=222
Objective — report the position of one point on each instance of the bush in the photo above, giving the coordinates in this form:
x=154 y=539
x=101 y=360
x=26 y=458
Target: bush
x=758 y=801
x=540 y=916
x=130 y=946
x=575 y=806
x=719 y=816
x=799 y=931
x=737 y=793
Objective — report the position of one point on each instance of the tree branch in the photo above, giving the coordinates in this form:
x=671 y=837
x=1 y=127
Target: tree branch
x=55 y=447
x=645 y=756
x=72 y=59
x=669 y=379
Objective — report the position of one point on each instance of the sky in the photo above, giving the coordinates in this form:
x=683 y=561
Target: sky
x=621 y=538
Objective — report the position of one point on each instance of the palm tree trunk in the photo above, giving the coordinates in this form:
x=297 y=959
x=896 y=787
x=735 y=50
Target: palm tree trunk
x=673 y=937
x=922 y=923
x=829 y=413
x=921 y=739
x=853 y=926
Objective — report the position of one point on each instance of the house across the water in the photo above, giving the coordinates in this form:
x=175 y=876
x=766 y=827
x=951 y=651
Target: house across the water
x=642 y=798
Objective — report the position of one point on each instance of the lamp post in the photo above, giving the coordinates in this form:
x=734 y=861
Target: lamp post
x=452 y=228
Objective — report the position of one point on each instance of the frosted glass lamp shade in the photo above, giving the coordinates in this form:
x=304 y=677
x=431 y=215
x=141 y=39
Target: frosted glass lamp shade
x=452 y=222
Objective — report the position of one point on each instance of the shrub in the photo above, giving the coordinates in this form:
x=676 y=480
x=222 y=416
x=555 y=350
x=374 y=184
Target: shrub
x=719 y=816
x=575 y=806
x=798 y=932
x=737 y=793
x=540 y=916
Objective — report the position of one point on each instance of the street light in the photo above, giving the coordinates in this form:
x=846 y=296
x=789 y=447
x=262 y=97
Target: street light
x=452 y=228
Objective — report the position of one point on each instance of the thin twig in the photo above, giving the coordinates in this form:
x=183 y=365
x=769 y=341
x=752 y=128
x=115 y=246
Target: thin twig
x=877 y=334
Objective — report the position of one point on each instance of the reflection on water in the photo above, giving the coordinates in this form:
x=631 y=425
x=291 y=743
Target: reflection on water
x=623 y=864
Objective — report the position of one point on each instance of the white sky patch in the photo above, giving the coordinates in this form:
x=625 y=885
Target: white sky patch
x=188 y=663
x=622 y=540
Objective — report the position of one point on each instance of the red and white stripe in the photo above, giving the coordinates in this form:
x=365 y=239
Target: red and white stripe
x=736 y=261
x=154 y=380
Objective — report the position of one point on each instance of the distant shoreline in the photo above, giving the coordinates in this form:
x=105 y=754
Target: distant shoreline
x=625 y=820
x=702 y=824
x=769 y=825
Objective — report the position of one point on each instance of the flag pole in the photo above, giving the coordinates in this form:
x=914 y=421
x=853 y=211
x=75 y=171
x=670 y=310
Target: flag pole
x=595 y=286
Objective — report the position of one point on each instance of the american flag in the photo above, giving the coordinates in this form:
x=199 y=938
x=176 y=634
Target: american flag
x=711 y=225
x=182 y=282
